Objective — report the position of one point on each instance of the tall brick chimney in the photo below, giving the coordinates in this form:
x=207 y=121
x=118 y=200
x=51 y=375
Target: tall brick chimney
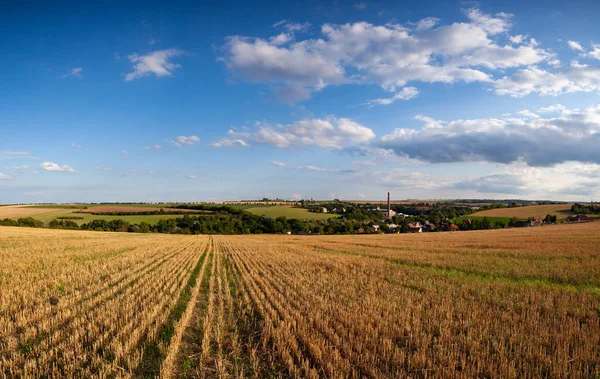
x=389 y=207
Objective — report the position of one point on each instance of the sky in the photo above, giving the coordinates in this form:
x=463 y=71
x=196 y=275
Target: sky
x=212 y=101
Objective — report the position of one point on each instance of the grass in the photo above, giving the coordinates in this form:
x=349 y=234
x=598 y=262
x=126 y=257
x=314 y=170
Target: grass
x=289 y=212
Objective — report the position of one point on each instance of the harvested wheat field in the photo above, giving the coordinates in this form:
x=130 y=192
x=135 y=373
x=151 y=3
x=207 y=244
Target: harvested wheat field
x=562 y=211
x=505 y=303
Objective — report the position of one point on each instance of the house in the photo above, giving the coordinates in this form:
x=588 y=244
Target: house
x=324 y=210
x=578 y=218
x=453 y=228
x=383 y=212
x=289 y=232
x=429 y=226
x=467 y=223
x=415 y=227
x=360 y=230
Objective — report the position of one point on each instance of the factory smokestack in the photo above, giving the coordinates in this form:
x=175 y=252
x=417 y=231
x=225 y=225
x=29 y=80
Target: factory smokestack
x=389 y=207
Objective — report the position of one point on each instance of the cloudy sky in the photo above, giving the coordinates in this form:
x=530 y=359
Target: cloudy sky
x=174 y=101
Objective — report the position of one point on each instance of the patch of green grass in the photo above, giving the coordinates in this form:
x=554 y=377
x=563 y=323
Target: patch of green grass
x=289 y=212
x=152 y=359
x=248 y=206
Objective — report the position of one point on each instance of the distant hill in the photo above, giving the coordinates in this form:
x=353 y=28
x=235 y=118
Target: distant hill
x=562 y=211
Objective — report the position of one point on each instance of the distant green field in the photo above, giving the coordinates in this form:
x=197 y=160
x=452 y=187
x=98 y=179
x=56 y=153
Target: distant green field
x=248 y=206
x=87 y=217
x=299 y=213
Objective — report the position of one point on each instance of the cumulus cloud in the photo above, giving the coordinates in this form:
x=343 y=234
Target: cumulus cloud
x=183 y=140
x=331 y=132
x=157 y=63
x=74 y=73
x=154 y=147
x=576 y=78
x=5 y=177
x=517 y=39
x=492 y=24
x=103 y=168
x=575 y=45
x=75 y=146
x=50 y=166
x=192 y=177
x=361 y=6
x=595 y=52
x=405 y=93
x=390 y=55
x=552 y=109
x=187 y=140
x=280 y=39
x=572 y=136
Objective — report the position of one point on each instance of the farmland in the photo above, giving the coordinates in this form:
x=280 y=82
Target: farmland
x=289 y=212
x=562 y=211
x=500 y=303
x=49 y=212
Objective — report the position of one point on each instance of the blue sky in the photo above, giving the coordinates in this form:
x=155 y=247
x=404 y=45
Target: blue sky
x=177 y=101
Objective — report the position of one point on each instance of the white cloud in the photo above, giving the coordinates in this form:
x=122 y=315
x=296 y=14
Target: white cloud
x=279 y=164
x=577 y=78
x=75 y=146
x=595 y=52
x=187 y=140
x=574 y=135
x=103 y=168
x=192 y=177
x=280 y=39
x=292 y=27
x=183 y=140
x=154 y=147
x=517 y=39
x=50 y=166
x=125 y=152
x=405 y=93
x=427 y=23
x=296 y=196
x=228 y=142
x=5 y=155
x=157 y=63
x=361 y=6
x=75 y=72
x=330 y=132
x=528 y=114
x=493 y=25
x=390 y=56
x=552 y=109
x=575 y=45
x=5 y=177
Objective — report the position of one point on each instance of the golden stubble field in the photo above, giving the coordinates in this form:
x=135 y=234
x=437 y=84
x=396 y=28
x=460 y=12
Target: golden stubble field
x=562 y=211
x=505 y=303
